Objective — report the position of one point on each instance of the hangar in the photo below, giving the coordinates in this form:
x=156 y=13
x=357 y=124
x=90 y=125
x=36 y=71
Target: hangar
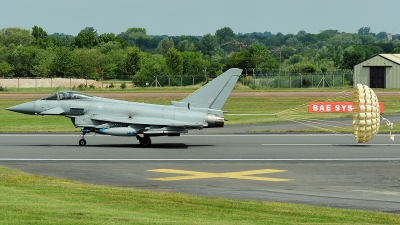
x=380 y=71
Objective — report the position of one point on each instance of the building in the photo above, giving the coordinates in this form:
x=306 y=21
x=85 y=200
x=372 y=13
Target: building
x=380 y=71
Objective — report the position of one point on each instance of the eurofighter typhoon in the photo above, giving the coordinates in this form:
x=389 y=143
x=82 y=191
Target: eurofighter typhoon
x=201 y=109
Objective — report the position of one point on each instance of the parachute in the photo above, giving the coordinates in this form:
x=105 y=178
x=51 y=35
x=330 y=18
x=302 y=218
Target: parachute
x=366 y=114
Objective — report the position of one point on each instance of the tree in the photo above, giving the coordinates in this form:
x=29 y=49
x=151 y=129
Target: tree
x=16 y=36
x=87 y=62
x=85 y=39
x=40 y=37
x=65 y=39
x=22 y=58
x=63 y=64
x=137 y=36
x=108 y=37
x=350 y=59
x=118 y=57
x=6 y=70
x=193 y=63
x=287 y=52
x=295 y=59
x=207 y=44
x=132 y=61
x=174 y=61
x=43 y=61
x=224 y=35
x=164 y=46
x=381 y=35
x=109 y=70
x=309 y=68
x=186 y=46
x=239 y=60
x=396 y=50
x=364 y=30
x=152 y=65
x=260 y=57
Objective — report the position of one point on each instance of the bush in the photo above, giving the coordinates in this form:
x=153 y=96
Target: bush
x=139 y=80
x=111 y=85
x=91 y=86
x=82 y=87
x=309 y=68
x=2 y=89
x=123 y=85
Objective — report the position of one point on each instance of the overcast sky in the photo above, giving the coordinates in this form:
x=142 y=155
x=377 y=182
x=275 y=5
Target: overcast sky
x=200 y=17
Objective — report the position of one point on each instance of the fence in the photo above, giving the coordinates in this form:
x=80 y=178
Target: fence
x=279 y=79
x=272 y=79
x=29 y=82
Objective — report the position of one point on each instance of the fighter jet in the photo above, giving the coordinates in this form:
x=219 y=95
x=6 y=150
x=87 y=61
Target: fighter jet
x=201 y=109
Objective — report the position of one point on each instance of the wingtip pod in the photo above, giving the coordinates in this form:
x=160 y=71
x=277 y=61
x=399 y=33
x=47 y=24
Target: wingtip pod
x=366 y=115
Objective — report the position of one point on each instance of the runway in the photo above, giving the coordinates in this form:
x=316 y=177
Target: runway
x=315 y=169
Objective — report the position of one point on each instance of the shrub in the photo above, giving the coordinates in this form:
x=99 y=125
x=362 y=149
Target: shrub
x=123 y=85
x=82 y=87
x=309 y=68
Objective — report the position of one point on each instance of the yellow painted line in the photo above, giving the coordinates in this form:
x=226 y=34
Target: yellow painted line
x=243 y=175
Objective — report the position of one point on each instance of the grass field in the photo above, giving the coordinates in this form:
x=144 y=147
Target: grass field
x=32 y=199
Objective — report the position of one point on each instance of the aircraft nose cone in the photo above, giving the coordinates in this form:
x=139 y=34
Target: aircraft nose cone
x=26 y=108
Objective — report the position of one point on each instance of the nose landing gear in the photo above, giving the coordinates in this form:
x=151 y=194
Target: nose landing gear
x=82 y=141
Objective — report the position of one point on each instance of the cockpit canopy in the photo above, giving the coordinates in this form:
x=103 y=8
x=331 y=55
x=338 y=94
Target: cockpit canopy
x=67 y=95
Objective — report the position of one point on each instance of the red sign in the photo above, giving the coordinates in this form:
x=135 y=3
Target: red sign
x=334 y=107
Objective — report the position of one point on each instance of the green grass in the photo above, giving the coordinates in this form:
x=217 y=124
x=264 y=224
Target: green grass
x=33 y=199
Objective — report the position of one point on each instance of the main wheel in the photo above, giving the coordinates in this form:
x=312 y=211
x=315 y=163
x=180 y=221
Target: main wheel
x=82 y=142
x=145 y=141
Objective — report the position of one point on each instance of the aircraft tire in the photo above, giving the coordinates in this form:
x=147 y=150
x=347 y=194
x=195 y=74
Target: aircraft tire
x=82 y=142
x=145 y=141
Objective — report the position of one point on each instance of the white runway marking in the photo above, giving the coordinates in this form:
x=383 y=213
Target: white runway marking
x=331 y=144
x=202 y=160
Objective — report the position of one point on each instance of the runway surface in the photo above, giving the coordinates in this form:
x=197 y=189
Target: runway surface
x=315 y=169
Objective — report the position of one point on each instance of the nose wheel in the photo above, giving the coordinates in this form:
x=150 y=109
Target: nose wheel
x=82 y=142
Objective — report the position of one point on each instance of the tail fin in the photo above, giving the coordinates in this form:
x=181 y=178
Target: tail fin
x=214 y=94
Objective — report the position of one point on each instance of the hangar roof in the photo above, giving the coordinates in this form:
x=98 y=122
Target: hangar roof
x=392 y=57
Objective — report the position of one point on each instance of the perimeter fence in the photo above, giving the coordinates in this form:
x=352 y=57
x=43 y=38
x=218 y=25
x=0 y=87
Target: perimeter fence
x=268 y=79
x=255 y=79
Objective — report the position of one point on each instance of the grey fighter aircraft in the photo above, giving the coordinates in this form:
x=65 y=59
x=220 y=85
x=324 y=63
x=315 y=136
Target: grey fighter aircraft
x=201 y=109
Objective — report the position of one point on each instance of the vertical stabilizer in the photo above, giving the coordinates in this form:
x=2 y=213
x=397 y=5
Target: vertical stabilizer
x=214 y=94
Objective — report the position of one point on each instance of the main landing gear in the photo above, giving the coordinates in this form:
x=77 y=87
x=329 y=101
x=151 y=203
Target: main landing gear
x=144 y=141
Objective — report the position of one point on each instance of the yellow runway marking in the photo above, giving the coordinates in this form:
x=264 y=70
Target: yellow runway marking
x=244 y=175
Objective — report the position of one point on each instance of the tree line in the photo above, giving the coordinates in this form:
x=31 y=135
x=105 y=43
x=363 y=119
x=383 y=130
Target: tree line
x=136 y=55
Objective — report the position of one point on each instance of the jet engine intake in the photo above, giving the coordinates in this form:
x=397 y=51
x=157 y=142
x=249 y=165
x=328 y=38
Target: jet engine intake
x=215 y=120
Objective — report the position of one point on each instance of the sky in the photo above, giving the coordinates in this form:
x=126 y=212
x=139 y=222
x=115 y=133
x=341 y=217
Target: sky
x=200 y=17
